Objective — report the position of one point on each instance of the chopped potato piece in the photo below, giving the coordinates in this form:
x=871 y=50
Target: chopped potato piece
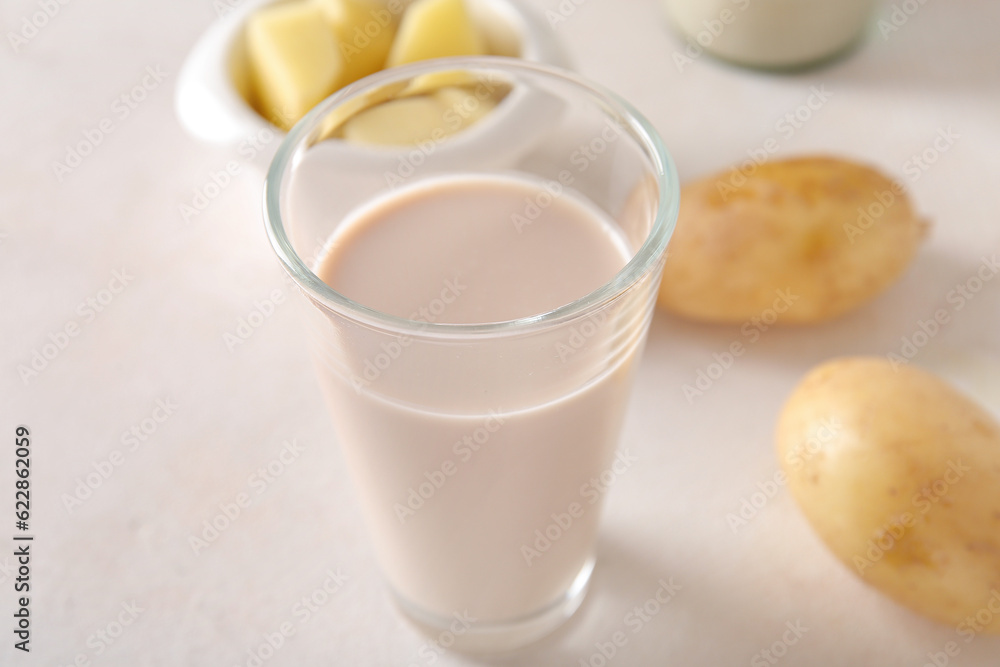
x=428 y=83
x=463 y=106
x=400 y=122
x=409 y=120
x=294 y=61
x=364 y=34
x=435 y=29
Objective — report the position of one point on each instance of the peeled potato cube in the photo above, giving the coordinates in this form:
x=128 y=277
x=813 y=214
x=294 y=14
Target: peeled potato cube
x=435 y=29
x=428 y=83
x=364 y=34
x=294 y=62
x=411 y=120
x=401 y=122
x=462 y=108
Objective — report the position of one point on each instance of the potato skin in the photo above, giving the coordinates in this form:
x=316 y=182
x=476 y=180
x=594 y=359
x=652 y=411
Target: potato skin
x=792 y=225
x=899 y=474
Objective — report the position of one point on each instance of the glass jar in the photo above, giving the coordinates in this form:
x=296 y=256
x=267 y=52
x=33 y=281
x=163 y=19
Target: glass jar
x=771 y=34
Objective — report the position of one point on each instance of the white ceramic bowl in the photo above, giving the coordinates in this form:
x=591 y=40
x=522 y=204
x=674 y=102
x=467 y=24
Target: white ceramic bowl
x=211 y=106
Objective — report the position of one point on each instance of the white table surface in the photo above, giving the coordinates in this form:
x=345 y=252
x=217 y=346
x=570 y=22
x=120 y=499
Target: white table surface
x=188 y=283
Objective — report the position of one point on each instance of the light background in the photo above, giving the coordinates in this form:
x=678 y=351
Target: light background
x=162 y=338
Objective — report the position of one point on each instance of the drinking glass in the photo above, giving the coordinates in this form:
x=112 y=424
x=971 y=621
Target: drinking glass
x=480 y=452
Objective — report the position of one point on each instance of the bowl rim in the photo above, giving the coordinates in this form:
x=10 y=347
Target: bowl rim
x=206 y=87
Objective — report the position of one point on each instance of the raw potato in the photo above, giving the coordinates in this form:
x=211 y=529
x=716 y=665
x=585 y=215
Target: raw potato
x=790 y=238
x=436 y=29
x=465 y=107
x=899 y=473
x=301 y=51
x=294 y=61
x=428 y=83
x=410 y=120
x=364 y=33
x=401 y=122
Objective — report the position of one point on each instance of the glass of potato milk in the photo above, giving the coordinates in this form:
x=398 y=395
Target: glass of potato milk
x=479 y=243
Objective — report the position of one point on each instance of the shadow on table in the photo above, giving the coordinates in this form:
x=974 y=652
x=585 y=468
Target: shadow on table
x=622 y=601
x=933 y=283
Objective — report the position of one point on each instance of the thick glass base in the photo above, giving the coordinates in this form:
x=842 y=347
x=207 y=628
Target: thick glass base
x=458 y=634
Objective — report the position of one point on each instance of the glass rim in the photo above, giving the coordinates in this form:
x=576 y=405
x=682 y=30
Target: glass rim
x=640 y=264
